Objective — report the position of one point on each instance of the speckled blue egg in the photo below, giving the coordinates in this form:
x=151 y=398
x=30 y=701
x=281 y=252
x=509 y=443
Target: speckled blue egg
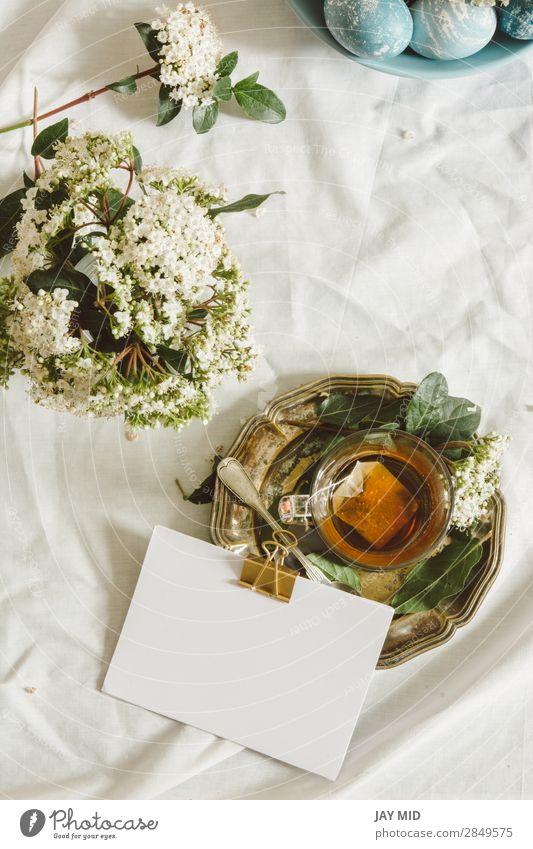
x=373 y=29
x=516 y=19
x=447 y=29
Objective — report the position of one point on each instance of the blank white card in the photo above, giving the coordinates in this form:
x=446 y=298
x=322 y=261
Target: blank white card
x=287 y=680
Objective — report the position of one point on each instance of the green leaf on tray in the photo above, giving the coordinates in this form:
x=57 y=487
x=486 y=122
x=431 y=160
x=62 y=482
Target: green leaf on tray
x=167 y=108
x=258 y=101
x=423 y=412
x=44 y=144
x=436 y=416
x=10 y=214
x=150 y=40
x=126 y=86
x=205 y=492
x=459 y=420
x=438 y=578
x=360 y=411
x=204 y=117
x=227 y=64
x=246 y=202
x=336 y=570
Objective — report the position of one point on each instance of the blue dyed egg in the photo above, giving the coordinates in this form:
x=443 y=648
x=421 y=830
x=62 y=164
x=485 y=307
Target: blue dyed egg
x=516 y=19
x=447 y=29
x=373 y=29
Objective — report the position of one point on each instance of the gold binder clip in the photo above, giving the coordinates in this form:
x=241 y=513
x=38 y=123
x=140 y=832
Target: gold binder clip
x=268 y=574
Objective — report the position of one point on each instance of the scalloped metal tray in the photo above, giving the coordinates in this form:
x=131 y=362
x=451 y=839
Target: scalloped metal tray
x=275 y=447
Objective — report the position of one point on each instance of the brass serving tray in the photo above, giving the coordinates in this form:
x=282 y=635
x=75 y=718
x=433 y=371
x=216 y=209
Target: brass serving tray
x=275 y=446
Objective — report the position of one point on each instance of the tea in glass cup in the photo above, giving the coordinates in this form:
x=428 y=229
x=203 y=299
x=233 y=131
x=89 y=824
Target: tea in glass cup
x=381 y=499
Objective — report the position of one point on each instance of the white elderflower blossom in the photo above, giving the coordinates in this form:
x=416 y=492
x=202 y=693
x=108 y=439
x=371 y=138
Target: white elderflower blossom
x=159 y=313
x=476 y=478
x=190 y=52
x=40 y=324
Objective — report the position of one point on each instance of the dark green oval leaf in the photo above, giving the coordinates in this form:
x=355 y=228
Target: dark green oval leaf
x=424 y=410
x=438 y=578
x=44 y=144
x=80 y=288
x=117 y=203
x=10 y=214
x=28 y=182
x=222 y=89
x=459 y=420
x=195 y=314
x=227 y=64
x=126 y=86
x=247 y=82
x=336 y=570
x=174 y=361
x=360 y=411
x=247 y=202
x=260 y=102
x=150 y=41
x=167 y=107
x=204 y=117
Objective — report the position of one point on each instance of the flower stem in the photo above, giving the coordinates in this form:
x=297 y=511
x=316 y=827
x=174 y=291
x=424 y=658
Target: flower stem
x=27 y=122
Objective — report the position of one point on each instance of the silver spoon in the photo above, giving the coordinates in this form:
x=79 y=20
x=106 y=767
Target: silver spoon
x=236 y=479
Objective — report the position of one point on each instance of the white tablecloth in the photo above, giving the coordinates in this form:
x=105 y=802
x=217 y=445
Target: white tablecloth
x=403 y=245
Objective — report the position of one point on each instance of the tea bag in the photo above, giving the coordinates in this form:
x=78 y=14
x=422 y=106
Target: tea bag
x=374 y=502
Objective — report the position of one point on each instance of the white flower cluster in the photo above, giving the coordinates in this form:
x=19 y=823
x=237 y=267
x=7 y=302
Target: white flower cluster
x=476 y=478
x=82 y=166
x=170 y=302
x=40 y=324
x=190 y=52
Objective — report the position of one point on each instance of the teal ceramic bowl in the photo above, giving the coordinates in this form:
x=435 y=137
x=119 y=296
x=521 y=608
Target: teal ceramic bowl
x=409 y=64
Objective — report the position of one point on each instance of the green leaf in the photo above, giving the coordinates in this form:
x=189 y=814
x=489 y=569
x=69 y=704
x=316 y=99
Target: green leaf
x=360 y=411
x=460 y=419
x=150 y=41
x=126 y=86
x=205 y=493
x=195 y=314
x=174 y=361
x=258 y=101
x=247 y=202
x=425 y=407
x=80 y=288
x=97 y=324
x=117 y=203
x=44 y=144
x=204 y=117
x=10 y=214
x=247 y=82
x=438 y=578
x=28 y=182
x=227 y=64
x=336 y=570
x=222 y=89
x=167 y=108
x=137 y=160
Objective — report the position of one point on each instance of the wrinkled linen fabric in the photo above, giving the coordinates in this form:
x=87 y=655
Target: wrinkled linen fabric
x=403 y=245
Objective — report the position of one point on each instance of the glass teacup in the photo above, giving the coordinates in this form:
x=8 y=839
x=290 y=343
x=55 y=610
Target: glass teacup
x=381 y=499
